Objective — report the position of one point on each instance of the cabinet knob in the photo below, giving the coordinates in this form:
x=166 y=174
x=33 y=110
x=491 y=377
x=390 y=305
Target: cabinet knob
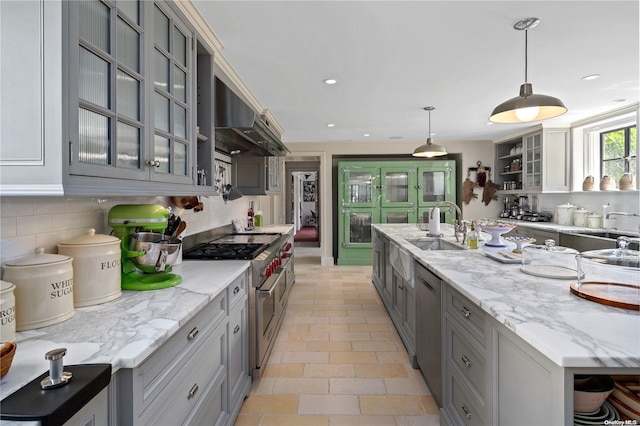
x=467 y=413
x=236 y=329
x=192 y=334
x=466 y=312
x=153 y=163
x=236 y=290
x=466 y=361
x=193 y=391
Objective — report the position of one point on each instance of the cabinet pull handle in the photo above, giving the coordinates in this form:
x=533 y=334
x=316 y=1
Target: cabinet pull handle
x=193 y=391
x=467 y=413
x=153 y=163
x=466 y=361
x=236 y=329
x=466 y=312
x=236 y=290
x=192 y=334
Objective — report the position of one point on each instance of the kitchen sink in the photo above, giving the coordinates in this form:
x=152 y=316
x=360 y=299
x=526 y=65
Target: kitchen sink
x=436 y=244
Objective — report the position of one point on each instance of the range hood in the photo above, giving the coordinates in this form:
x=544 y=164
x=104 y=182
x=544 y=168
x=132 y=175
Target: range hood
x=240 y=130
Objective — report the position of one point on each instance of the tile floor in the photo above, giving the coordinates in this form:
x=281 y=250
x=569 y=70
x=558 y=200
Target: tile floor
x=338 y=359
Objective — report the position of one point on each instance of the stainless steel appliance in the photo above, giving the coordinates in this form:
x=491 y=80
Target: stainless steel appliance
x=271 y=278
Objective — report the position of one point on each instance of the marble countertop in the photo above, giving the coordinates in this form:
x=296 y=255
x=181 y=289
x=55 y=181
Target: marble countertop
x=125 y=331
x=570 y=331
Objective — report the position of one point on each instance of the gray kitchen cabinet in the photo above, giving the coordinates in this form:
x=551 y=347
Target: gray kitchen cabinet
x=466 y=365
x=257 y=175
x=94 y=413
x=199 y=375
x=542 y=165
x=428 y=289
x=114 y=100
x=403 y=312
x=379 y=254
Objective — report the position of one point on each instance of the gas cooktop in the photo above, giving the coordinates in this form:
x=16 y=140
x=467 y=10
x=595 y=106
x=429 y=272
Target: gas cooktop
x=236 y=246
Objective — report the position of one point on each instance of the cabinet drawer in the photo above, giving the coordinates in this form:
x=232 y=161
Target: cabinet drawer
x=238 y=289
x=211 y=410
x=156 y=371
x=188 y=384
x=462 y=404
x=468 y=361
x=467 y=313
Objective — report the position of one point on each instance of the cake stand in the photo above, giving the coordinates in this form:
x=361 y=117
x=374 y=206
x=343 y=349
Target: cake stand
x=519 y=241
x=496 y=232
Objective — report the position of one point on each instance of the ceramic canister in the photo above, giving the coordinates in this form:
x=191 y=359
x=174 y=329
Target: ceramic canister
x=565 y=214
x=44 y=289
x=7 y=312
x=594 y=221
x=580 y=217
x=96 y=267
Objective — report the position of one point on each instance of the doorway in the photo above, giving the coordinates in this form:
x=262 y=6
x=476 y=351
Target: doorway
x=303 y=202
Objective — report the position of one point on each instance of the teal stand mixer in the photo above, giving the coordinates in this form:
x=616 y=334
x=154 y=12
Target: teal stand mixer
x=146 y=254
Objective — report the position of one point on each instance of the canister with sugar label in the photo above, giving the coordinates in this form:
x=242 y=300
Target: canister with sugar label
x=44 y=289
x=7 y=312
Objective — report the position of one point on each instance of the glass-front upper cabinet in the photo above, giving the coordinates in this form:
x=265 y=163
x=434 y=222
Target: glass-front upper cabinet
x=361 y=186
x=533 y=161
x=114 y=131
x=358 y=226
x=398 y=186
x=172 y=69
x=107 y=64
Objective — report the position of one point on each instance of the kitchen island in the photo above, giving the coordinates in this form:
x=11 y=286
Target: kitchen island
x=533 y=337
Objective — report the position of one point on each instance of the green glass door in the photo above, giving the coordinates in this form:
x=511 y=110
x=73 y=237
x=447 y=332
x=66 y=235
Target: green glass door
x=360 y=186
x=398 y=187
x=398 y=215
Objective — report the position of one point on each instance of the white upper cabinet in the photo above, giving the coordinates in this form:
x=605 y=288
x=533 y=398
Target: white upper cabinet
x=112 y=105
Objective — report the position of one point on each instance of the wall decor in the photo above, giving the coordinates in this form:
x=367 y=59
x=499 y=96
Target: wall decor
x=309 y=191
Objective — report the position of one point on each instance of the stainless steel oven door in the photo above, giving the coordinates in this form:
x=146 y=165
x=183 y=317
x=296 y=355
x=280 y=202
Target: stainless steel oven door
x=268 y=312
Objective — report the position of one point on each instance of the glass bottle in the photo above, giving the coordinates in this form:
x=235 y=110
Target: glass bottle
x=250 y=216
x=472 y=237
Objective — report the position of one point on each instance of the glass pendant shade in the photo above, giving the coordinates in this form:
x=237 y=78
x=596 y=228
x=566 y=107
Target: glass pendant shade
x=527 y=106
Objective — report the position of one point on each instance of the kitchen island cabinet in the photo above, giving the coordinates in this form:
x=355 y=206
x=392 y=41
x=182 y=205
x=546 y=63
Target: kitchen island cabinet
x=528 y=336
x=178 y=354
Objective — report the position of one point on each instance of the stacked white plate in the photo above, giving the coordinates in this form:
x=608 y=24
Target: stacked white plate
x=606 y=412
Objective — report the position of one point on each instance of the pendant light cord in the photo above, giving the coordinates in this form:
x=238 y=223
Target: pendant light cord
x=526 y=50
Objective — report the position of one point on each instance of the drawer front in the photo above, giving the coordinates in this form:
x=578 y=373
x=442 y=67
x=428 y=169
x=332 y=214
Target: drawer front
x=156 y=371
x=467 y=313
x=188 y=384
x=469 y=362
x=463 y=406
x=211 y=409
x=238 y=289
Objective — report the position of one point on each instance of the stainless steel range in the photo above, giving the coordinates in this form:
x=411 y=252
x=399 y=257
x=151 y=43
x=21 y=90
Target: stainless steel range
x=271 y=278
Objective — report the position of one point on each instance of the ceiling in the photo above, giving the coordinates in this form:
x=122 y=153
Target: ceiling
x=393 y=58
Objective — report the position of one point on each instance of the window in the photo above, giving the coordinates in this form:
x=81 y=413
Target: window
x=618 y=152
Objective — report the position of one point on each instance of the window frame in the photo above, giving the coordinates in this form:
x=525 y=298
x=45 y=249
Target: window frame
x=627 y=155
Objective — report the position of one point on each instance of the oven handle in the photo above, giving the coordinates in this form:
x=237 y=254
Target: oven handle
x=265 y=293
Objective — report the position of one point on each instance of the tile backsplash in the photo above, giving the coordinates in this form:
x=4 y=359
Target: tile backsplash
x=27 y=223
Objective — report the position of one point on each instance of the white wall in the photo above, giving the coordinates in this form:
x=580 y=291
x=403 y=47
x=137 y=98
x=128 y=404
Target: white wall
x=31 y=222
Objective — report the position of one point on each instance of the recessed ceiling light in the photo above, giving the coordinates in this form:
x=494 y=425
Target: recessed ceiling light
x=619 y=100
x=330 y=81
x=488 y=123
x=366 y=134
x=330 y=125
x=591 y=77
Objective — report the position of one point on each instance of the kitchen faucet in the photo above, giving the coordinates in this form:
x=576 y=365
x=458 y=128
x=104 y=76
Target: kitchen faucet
x=621 y=214
x=459 y=226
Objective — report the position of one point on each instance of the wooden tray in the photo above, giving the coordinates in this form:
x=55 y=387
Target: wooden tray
x=625 y=296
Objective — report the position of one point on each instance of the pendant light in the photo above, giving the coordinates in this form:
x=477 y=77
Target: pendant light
x=527 y=106
x=429 y=149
